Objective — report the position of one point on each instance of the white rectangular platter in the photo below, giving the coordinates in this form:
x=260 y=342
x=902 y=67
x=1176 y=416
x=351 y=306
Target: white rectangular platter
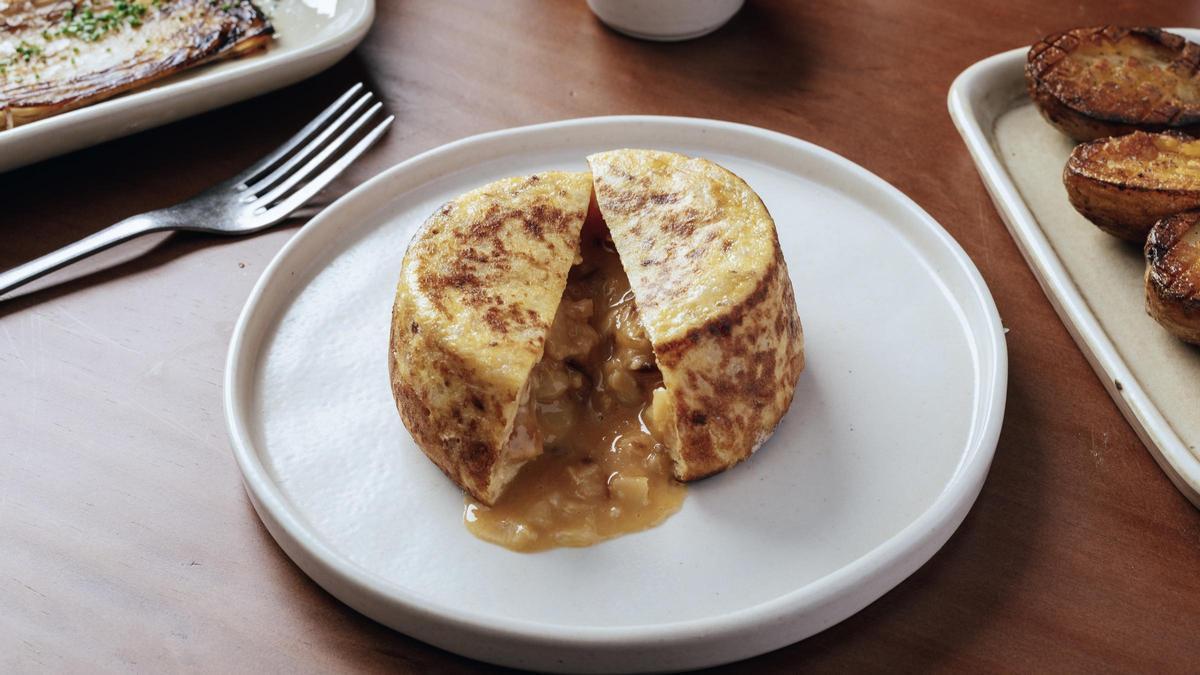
x=310 y=35
x=1093 y=280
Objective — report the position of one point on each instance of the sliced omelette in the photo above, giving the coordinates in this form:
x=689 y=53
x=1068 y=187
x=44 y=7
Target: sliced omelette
x=570 y=364
x=58 y=55
x=479 y=288
x=704 y=263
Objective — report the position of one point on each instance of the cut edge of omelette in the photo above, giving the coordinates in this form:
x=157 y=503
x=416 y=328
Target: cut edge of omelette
x=706 y=270
x=468 y=324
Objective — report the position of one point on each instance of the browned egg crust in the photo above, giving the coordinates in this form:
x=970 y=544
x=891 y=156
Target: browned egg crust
x=1107 y=81
x=479 y=286
x=1126 y=184
x=1173 y=275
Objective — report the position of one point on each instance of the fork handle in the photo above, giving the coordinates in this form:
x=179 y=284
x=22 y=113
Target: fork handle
x=114 y=234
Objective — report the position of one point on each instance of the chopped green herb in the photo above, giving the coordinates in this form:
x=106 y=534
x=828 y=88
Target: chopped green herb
x=28 y=51
x=90 y=26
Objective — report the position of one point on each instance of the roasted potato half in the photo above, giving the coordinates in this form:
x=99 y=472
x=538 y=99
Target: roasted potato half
x=1096 y=82
x=1173 y=275
x=1126 y=184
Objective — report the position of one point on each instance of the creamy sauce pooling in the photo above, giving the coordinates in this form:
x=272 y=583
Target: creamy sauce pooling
x=602 y=473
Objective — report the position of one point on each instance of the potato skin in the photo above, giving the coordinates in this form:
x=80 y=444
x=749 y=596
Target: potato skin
x=1125 y=185
x=1173 y=275
x=1072 y=80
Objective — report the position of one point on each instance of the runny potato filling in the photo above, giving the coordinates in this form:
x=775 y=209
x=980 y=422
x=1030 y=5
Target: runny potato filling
x=591 y=400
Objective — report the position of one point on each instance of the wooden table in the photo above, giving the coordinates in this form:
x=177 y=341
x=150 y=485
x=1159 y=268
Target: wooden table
x=127 y=543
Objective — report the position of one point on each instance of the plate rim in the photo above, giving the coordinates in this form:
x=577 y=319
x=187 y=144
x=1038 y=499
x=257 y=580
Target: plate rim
x=968 y=111
x=905 y=551
x=199 y=79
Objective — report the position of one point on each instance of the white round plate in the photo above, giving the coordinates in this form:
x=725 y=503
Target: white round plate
x=884 y=450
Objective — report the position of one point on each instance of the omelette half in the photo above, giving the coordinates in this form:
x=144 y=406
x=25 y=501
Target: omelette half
x=479 y=287
x=703 y=259
x=570 y=347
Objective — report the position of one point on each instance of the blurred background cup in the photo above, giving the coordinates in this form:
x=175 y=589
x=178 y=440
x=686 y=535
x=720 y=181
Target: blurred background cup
x=665 y=20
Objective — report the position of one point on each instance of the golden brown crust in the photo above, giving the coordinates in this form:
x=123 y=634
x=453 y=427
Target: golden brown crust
x=729 y=408
x=478 y=289
x=705 y=266
x=59 y=73
x=1107 y=81
x=1126 y=184
x=1173 y=275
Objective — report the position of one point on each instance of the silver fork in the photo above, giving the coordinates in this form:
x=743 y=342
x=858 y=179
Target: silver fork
x=257 y=198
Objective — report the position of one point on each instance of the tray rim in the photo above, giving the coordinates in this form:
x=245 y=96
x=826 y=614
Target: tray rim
x=746 y=632
x=975 y=120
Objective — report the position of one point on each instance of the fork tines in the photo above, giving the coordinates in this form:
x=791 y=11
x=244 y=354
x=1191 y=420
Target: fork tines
x=296 y=171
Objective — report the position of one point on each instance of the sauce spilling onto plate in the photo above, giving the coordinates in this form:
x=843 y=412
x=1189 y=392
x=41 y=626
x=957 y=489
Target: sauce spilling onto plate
x=602 y=473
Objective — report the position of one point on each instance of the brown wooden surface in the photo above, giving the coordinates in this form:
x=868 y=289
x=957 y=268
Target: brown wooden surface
x=127 y=543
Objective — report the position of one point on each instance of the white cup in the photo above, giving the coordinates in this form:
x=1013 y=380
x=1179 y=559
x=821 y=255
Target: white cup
x=665 y=20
